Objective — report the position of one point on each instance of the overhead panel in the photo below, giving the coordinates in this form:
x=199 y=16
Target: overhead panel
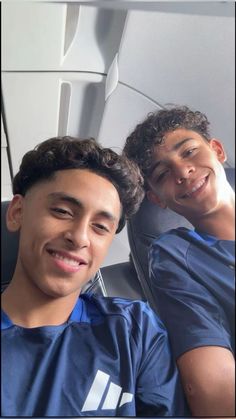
x=34 y=102
x=55 y=57
x=31 y=109
x=179 y=55
x=124 y=108
x=96 y=39
x=59 y=37
x=32 y=35
x=82 y=100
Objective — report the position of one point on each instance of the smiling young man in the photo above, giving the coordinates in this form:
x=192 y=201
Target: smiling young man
x=65 y=353
x=192 y=271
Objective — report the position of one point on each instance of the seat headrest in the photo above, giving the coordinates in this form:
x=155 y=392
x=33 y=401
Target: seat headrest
x=9 y=248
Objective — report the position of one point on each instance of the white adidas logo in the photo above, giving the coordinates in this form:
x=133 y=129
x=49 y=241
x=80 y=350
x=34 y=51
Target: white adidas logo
x=96 y=392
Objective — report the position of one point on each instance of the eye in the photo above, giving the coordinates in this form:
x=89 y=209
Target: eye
x=189 y=152
x=101 y=228
x=62 y=212
x=161 y=176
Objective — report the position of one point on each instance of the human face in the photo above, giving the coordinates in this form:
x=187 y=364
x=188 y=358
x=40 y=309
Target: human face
x=187 y=174
x=66 y=226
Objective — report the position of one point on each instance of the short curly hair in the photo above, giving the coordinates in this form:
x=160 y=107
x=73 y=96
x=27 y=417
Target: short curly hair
x=63 y=153
x=140 y=144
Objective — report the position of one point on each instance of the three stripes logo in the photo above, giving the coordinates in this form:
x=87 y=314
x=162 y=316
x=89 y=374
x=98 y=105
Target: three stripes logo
x=113 y=397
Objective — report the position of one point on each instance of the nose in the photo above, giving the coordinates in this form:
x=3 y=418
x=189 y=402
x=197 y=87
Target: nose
x=77 y=236
x=182 y=171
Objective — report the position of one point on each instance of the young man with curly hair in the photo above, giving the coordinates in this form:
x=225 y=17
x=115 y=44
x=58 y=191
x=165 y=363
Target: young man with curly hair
x=65 y=353
x=192 y=271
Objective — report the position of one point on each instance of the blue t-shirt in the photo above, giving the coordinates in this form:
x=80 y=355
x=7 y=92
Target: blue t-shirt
x=193 y=280
x=111 y=358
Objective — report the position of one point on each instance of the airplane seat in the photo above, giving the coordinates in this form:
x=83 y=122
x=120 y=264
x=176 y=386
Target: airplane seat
x=118 y=280
x=121 y=280
x=145 y=226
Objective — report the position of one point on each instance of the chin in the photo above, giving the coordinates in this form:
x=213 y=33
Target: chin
x=61 y=290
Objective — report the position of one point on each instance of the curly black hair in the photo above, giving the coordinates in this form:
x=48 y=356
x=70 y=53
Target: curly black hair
x=63 y=153
x=140 y=144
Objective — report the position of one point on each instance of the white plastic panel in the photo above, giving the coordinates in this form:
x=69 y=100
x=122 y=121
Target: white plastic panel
x=34 y=101
x=3 y=135
x=184 y=55
x=96 y=39
x=124 y=109
x=31 y=110
x=119 y=250
x=32 y=35
x=81 y=103
x=59 y=37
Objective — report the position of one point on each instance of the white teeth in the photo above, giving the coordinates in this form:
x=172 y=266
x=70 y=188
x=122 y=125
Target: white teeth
x=68 y=261
x=195 y=188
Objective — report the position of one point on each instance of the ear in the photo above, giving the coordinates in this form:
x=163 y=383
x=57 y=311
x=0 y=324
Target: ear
x=218 y=148
x=152 y=197
x=14 y=213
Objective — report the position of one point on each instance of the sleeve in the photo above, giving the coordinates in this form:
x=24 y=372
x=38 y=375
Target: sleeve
x=191 y=314
x=158 y=389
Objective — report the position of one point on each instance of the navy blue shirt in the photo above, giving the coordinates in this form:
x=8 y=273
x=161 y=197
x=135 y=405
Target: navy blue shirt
x=111 y=358
x=193 y=279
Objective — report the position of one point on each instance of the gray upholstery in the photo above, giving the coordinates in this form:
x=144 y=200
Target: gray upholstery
x=146 y=225
x=143 y=228
x=9 y=249
x=121 y=281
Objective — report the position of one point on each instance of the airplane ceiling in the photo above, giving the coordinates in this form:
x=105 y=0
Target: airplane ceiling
x=79 y=69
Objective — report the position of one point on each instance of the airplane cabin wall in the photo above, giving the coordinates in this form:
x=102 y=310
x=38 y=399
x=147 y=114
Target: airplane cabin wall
x=88 y=71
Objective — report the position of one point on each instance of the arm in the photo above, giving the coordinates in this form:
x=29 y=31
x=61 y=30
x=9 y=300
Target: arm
x=208 y=377
x=158 y=388
x=199 y=334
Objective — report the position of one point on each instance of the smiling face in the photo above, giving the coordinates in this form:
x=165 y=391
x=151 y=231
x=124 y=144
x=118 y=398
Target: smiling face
x=66 y=227
x=187 y=174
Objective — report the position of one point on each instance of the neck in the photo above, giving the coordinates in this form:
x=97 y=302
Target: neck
x=220 y=222
x=30 y=308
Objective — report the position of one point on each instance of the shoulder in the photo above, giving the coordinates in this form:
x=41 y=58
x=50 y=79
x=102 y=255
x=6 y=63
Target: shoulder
x=173 y=244
x=6 y=322
x=177 y=236
x=133 y=312
x=177 y=242
x=181 y=234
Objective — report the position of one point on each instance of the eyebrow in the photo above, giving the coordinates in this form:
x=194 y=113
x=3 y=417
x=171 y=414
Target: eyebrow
x=72 y=200
x=174 y=148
